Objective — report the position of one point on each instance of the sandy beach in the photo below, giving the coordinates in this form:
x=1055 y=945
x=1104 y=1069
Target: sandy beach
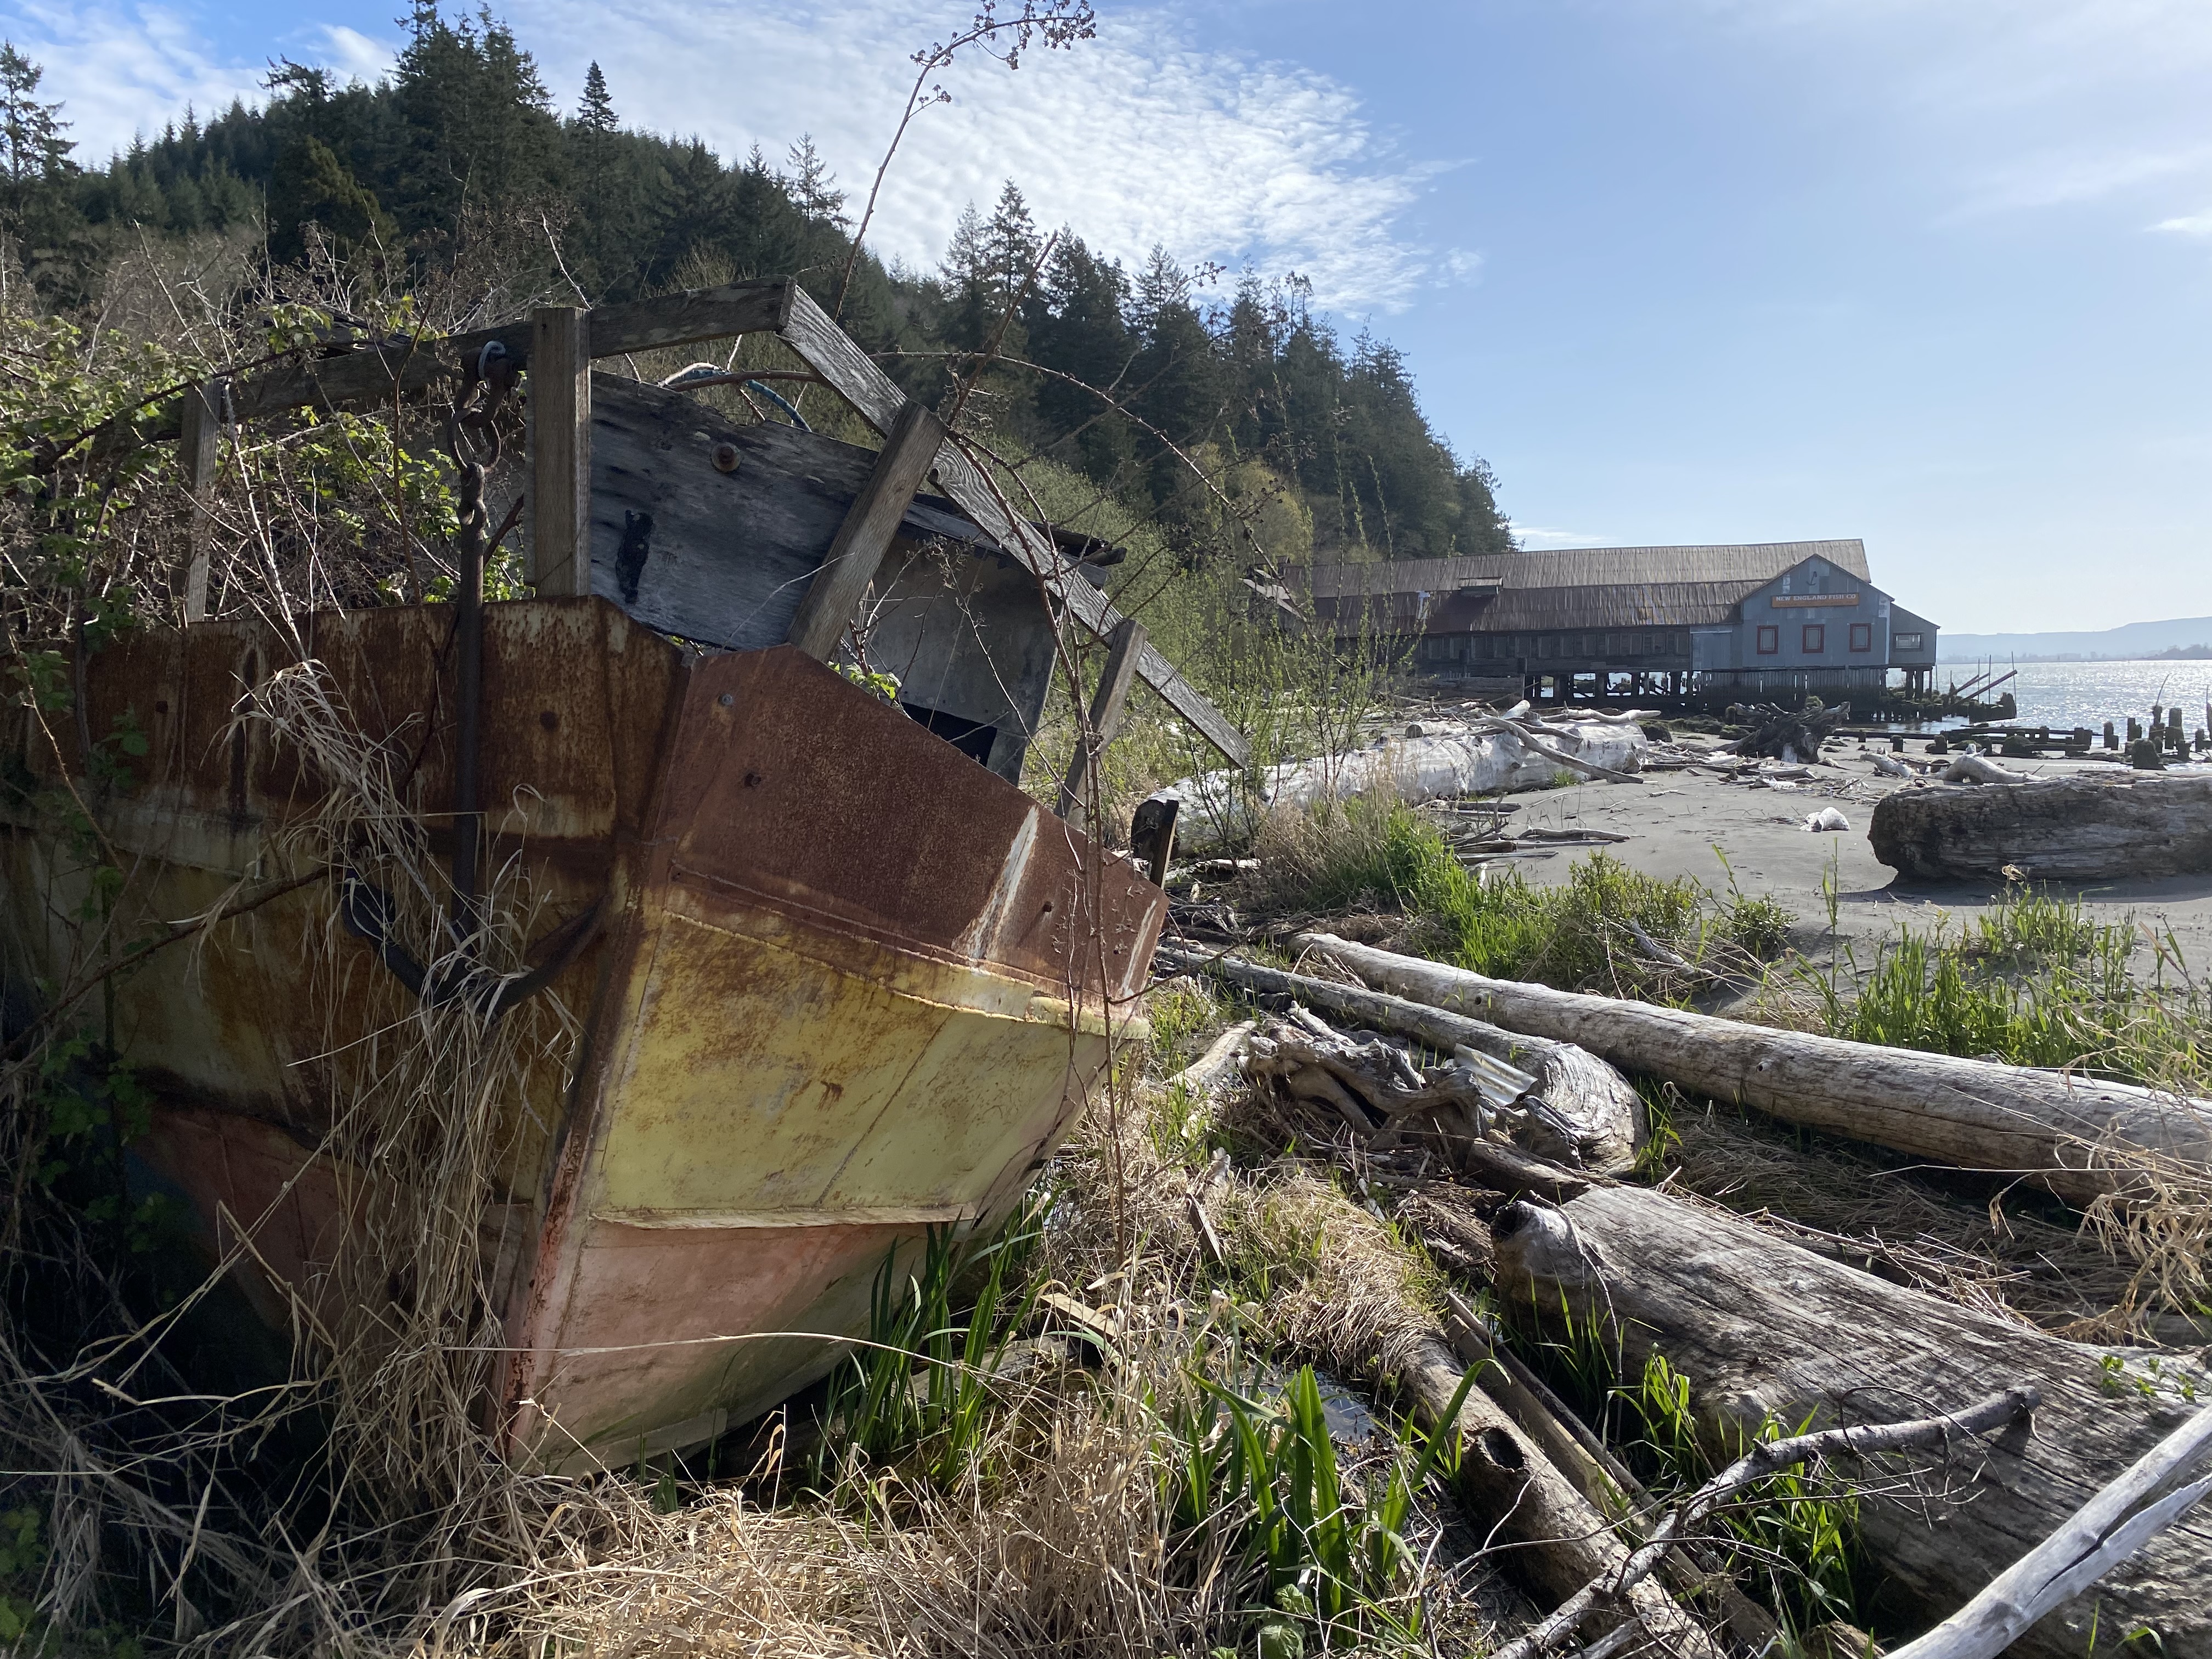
x=1677 y=818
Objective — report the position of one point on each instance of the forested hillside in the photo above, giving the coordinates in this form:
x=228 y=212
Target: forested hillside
x=460 y=164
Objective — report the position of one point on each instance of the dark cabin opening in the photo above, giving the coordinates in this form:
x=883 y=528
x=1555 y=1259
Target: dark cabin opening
x=972 y=738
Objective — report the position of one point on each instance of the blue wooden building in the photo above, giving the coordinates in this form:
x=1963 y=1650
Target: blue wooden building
x=1663 y=621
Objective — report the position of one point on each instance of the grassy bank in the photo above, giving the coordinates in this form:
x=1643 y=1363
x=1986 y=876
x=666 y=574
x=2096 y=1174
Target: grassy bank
x=1605 y=928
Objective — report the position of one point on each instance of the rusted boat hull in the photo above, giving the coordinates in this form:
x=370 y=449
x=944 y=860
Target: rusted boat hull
x=842 y=985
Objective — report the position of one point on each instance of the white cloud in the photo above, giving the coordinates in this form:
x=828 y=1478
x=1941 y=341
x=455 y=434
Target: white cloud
x=2057 y=181
x=1136 y=138
x=124 y=71
x=2194 y=224
x=127 y=71
x=355 y=56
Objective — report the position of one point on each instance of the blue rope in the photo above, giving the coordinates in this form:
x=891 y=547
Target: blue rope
x=703 y=371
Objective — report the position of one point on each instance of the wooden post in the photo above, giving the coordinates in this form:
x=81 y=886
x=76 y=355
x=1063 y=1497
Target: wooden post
x=871 y=522
x=201 y=426
x=1105 y=716
x=561 y=450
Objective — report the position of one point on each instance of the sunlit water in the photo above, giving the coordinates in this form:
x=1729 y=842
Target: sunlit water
x=2071 y=694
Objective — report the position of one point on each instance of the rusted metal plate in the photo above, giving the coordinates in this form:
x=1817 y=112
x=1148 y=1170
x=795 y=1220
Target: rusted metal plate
x=866 y=962
x=575 y=695
x=791 y=786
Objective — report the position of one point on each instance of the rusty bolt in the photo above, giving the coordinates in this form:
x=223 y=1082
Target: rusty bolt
x=728 y=699
x=726 y=458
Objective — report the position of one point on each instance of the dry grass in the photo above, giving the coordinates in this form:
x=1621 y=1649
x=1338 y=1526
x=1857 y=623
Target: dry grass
x=1060 y=1540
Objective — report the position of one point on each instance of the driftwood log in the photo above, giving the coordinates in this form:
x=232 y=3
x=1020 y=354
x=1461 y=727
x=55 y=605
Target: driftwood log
x=1585 y=1114
x=2079 y=828
x=1979 y=768
x=1766 y=1331
x=2103 y=1533
x=2079 y=1136
x=1786 y=733
x=1555 y=1539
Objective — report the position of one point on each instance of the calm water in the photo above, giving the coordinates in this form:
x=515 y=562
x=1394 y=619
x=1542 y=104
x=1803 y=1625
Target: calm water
x=2071 y=694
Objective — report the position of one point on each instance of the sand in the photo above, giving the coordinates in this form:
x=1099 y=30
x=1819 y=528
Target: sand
x=1678 y=818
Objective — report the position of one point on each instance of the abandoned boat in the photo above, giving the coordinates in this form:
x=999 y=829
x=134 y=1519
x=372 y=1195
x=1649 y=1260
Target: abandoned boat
x=827 y=978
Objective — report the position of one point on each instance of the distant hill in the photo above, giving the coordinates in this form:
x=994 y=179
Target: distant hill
x=2142 y=639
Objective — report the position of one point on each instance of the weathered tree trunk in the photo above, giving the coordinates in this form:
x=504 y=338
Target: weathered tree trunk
x=2079 y=828
x=2077 y=1134
x=1592 y=1117
x=1765 y=1330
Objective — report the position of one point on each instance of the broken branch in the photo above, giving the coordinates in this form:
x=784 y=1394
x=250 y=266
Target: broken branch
x=1767 y=1458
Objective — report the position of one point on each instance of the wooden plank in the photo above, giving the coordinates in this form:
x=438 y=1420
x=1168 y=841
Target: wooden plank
x=1106 y=705
x=850 y=567
x=560 y=451
x=827 y=349
x=372 y=373
x=200 y=420
x=969 y=638
x=1151 y=834
x=712 y=313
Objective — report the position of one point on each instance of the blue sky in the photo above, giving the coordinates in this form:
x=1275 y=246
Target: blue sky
x=1938 y=273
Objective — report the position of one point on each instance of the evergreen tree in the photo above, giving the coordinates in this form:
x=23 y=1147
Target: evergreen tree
x=965 y=262
x=1161 y=284
x=596 y=115
x=311 y=186
x=811 y=185
x=34 y=157
x=39 y=217
x=478 y=126
x=1081 y=331
x=1011 y=244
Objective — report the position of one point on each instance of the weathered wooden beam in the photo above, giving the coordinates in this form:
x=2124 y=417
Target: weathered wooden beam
x=830 y=351
x=1106 y=705
x=374 y=373
x=201 y=421
x=856 y=557
x=560 y=451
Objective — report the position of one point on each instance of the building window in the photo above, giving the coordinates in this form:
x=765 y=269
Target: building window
x=1907 y=642
x=1862 y=636
x=1770 y=642
x=1816 y=638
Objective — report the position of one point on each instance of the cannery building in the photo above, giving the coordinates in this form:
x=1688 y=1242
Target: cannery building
x=1663 y=621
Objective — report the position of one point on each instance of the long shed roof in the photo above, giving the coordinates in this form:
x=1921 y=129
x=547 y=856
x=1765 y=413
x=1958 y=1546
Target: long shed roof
x=1581 y=587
